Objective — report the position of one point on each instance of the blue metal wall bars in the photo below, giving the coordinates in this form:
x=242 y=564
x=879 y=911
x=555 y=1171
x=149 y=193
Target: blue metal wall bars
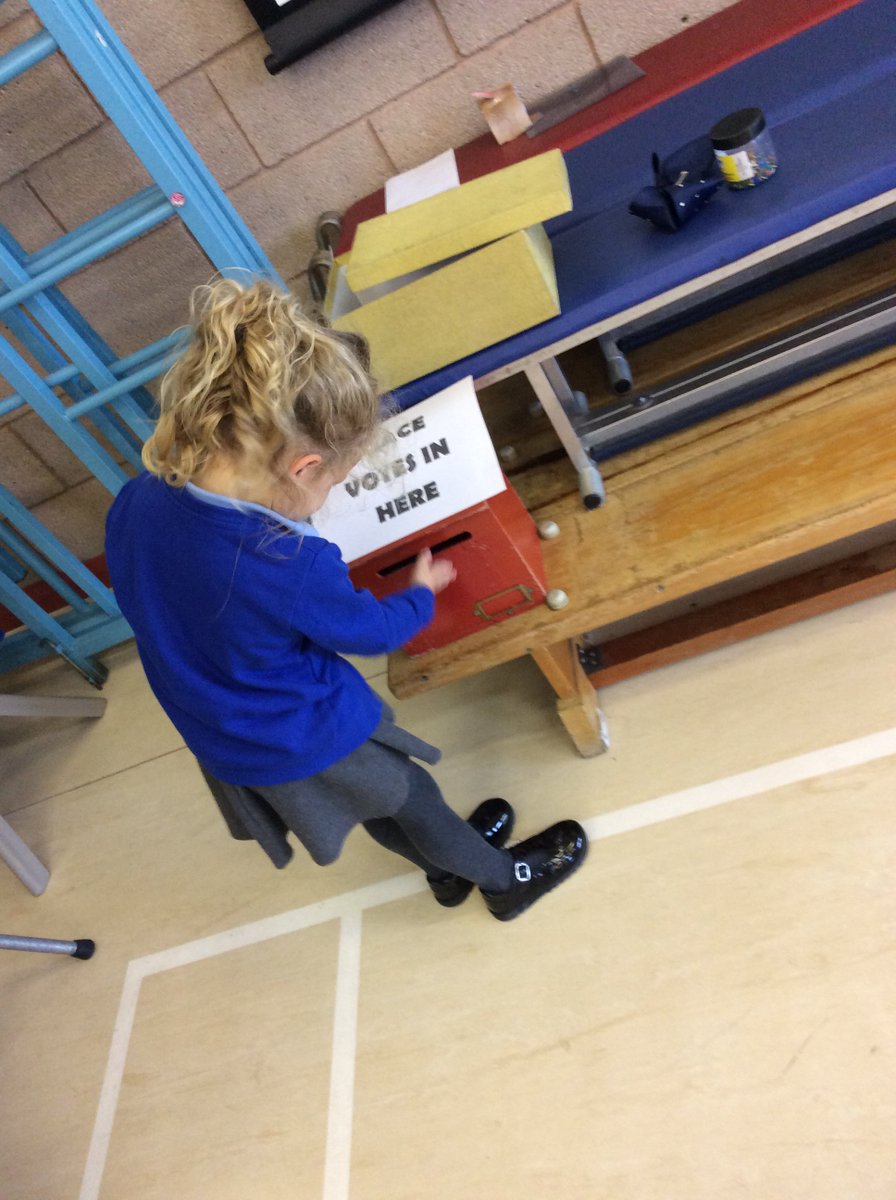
x=77 y=375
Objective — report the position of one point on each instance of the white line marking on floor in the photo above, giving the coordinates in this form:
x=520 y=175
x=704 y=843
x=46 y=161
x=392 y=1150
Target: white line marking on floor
x=350 y=906
x=105 y=1115
x=333 y=909
x=337 y=1163
x=748 y=783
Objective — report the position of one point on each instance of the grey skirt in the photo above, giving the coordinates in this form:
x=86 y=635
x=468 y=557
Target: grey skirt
x=372 y=781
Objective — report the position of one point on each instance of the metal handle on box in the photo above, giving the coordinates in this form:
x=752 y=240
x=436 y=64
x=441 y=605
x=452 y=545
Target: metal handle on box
x=527 y=594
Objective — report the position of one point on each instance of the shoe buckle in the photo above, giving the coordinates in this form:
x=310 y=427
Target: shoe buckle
x=522 y=871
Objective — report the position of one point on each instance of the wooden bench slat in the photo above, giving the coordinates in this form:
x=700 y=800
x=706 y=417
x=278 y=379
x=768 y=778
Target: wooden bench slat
x=812 y=466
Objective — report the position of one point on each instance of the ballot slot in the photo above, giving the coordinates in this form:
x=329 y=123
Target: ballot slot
x=438 y=548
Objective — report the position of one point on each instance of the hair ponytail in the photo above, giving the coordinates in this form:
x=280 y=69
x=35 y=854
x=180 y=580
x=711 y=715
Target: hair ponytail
x=258 y=378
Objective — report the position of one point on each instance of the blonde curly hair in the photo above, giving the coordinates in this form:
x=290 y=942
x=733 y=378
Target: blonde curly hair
x=258 y=381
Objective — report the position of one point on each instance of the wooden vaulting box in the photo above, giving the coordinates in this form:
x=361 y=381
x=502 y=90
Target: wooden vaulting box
x=440 y=279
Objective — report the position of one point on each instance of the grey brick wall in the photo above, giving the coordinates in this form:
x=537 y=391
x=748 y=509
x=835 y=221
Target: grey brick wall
x=319 y=135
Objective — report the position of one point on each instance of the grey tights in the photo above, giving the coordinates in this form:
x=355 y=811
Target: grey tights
x=430 y=834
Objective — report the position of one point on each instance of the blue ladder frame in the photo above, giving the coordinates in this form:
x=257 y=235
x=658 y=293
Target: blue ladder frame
x=78 y=378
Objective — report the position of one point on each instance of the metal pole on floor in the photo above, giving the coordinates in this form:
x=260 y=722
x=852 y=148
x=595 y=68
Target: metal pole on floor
x=80 y=948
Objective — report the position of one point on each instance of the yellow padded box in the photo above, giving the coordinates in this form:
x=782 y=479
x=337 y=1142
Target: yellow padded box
x=473 y=302
x=458 y=220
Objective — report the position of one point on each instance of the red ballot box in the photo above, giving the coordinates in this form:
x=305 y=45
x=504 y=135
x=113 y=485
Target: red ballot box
x=495 y=548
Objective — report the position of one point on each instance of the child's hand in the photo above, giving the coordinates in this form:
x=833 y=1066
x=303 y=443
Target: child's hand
x=433 y=574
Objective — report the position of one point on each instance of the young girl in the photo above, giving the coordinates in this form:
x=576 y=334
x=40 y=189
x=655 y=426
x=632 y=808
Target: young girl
x=241 y=611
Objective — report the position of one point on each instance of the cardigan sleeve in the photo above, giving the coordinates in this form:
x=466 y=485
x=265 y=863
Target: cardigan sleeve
x=334 y=614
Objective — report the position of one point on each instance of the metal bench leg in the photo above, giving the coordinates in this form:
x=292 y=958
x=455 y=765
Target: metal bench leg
x=22 y=861
x=50 y=706
x=558 y=402
x=619 y=373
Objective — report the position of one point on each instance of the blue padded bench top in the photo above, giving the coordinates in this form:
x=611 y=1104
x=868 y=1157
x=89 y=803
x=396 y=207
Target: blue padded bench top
x=829 y=95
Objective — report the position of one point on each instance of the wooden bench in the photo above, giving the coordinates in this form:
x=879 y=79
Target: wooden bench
x=759 y=489
x=774 y=491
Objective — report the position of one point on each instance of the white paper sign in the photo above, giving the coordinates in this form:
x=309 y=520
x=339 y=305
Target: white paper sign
x=430 y=178
x=441 y=461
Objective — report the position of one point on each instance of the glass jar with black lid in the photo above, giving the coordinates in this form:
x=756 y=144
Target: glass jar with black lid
x=744 y=148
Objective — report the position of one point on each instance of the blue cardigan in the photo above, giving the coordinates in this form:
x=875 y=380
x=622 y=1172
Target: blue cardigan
x=240 y=622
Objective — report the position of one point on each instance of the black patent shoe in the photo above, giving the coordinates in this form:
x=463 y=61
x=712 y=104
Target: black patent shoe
x=540 y=863
x=493 y=820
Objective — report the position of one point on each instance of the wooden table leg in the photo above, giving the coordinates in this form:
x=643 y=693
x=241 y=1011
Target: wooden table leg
x=577 y=704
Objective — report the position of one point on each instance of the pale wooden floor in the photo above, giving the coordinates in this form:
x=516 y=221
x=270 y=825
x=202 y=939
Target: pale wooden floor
x=704 y=1013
